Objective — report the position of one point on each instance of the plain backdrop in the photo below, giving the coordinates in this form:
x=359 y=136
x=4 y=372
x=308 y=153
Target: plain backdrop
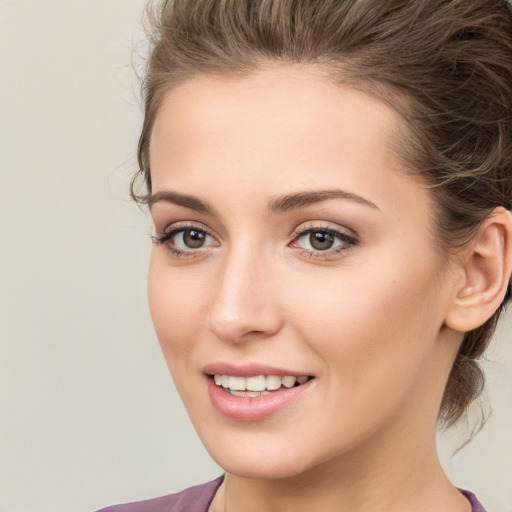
x=88 y=413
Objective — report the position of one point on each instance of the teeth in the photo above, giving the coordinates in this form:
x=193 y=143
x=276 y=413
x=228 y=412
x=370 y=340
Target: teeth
x=237 y=383
x=289 y=382
x=257 y=385
x=273 y=382
x=251 y=394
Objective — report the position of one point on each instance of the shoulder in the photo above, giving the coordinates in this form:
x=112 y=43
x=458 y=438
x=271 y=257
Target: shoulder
x=193 y=499
x=476 y=506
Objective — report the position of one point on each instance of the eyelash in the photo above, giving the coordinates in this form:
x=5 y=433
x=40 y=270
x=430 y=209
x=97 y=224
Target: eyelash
x=168 y=234
x=348 y=241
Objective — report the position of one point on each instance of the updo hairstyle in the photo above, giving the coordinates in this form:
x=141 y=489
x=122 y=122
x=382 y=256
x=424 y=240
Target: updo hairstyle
x=444 y=65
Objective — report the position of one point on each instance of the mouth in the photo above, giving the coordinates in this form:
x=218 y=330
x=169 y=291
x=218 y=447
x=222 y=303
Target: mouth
x=254 y=392
x=257 y=385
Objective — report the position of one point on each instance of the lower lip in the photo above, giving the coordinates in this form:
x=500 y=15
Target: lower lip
x=253 y=408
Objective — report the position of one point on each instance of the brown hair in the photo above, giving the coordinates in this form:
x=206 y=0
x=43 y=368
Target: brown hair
x=444 y=65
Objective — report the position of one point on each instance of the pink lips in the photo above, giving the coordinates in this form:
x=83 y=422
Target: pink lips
x=251 y=408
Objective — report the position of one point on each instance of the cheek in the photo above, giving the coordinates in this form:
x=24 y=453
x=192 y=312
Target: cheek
x=177 y=305
x=374 y=327
x=175 y=301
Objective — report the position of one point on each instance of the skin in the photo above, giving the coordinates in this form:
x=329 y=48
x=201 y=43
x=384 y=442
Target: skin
x=368 y=322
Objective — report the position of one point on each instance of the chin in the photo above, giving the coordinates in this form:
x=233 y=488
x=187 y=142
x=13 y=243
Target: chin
x=254 y=459
x=271 y=469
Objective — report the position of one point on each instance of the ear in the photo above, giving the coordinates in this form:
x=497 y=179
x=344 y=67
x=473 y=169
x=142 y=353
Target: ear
x=486 y=266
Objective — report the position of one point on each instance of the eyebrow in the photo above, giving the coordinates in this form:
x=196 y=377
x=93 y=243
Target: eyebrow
x=185 y=200
x=301 y=199
x=277 y=205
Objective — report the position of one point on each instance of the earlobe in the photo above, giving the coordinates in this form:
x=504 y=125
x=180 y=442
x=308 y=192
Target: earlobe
x=487 y=267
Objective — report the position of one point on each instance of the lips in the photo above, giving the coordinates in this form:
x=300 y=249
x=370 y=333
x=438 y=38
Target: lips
x=252 y=393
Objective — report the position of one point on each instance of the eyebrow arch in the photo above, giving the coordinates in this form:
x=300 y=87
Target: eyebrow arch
x=168 y=196
x=277 y=205
x=301 y=199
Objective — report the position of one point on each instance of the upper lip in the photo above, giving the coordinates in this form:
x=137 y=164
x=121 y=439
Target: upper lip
x=249 y=370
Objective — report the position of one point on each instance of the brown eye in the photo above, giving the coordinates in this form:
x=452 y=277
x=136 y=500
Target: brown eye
x=192 y=238
x=186 y=241
x=321 y=240
x=326 y=241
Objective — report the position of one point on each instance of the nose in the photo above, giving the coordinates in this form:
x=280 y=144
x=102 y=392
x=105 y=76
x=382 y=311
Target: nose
x=246 y=303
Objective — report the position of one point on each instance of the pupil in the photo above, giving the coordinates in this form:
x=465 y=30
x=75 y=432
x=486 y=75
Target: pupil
x=321 y=240
x=193 y=238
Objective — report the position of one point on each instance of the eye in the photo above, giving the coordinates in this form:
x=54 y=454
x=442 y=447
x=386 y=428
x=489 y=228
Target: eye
x=190 y=239
x=317 y=240
x=185 y=240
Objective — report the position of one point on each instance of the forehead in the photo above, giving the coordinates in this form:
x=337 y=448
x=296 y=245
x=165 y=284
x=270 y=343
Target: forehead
x=273 y=107
x=272 y=131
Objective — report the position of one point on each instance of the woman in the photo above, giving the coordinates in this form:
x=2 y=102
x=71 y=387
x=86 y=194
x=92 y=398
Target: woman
x=330 y=185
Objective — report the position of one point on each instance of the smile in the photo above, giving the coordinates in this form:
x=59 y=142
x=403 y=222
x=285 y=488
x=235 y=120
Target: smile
x=258 y=385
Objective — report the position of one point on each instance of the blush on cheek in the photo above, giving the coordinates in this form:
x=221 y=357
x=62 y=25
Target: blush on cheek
x=177 y=302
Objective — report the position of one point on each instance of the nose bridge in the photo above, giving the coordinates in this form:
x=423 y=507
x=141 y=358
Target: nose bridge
x=245 y=302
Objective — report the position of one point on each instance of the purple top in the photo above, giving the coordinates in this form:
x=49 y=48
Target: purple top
x=193 y=499
x=199 y=497
x=476 y=506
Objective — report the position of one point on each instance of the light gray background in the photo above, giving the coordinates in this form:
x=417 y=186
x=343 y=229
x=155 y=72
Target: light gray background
x=88 y=414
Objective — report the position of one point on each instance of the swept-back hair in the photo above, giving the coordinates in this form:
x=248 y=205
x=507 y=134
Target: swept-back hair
x=444 y=65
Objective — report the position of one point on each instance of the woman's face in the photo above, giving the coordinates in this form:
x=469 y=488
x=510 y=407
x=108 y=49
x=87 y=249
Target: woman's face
x=290 y=243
